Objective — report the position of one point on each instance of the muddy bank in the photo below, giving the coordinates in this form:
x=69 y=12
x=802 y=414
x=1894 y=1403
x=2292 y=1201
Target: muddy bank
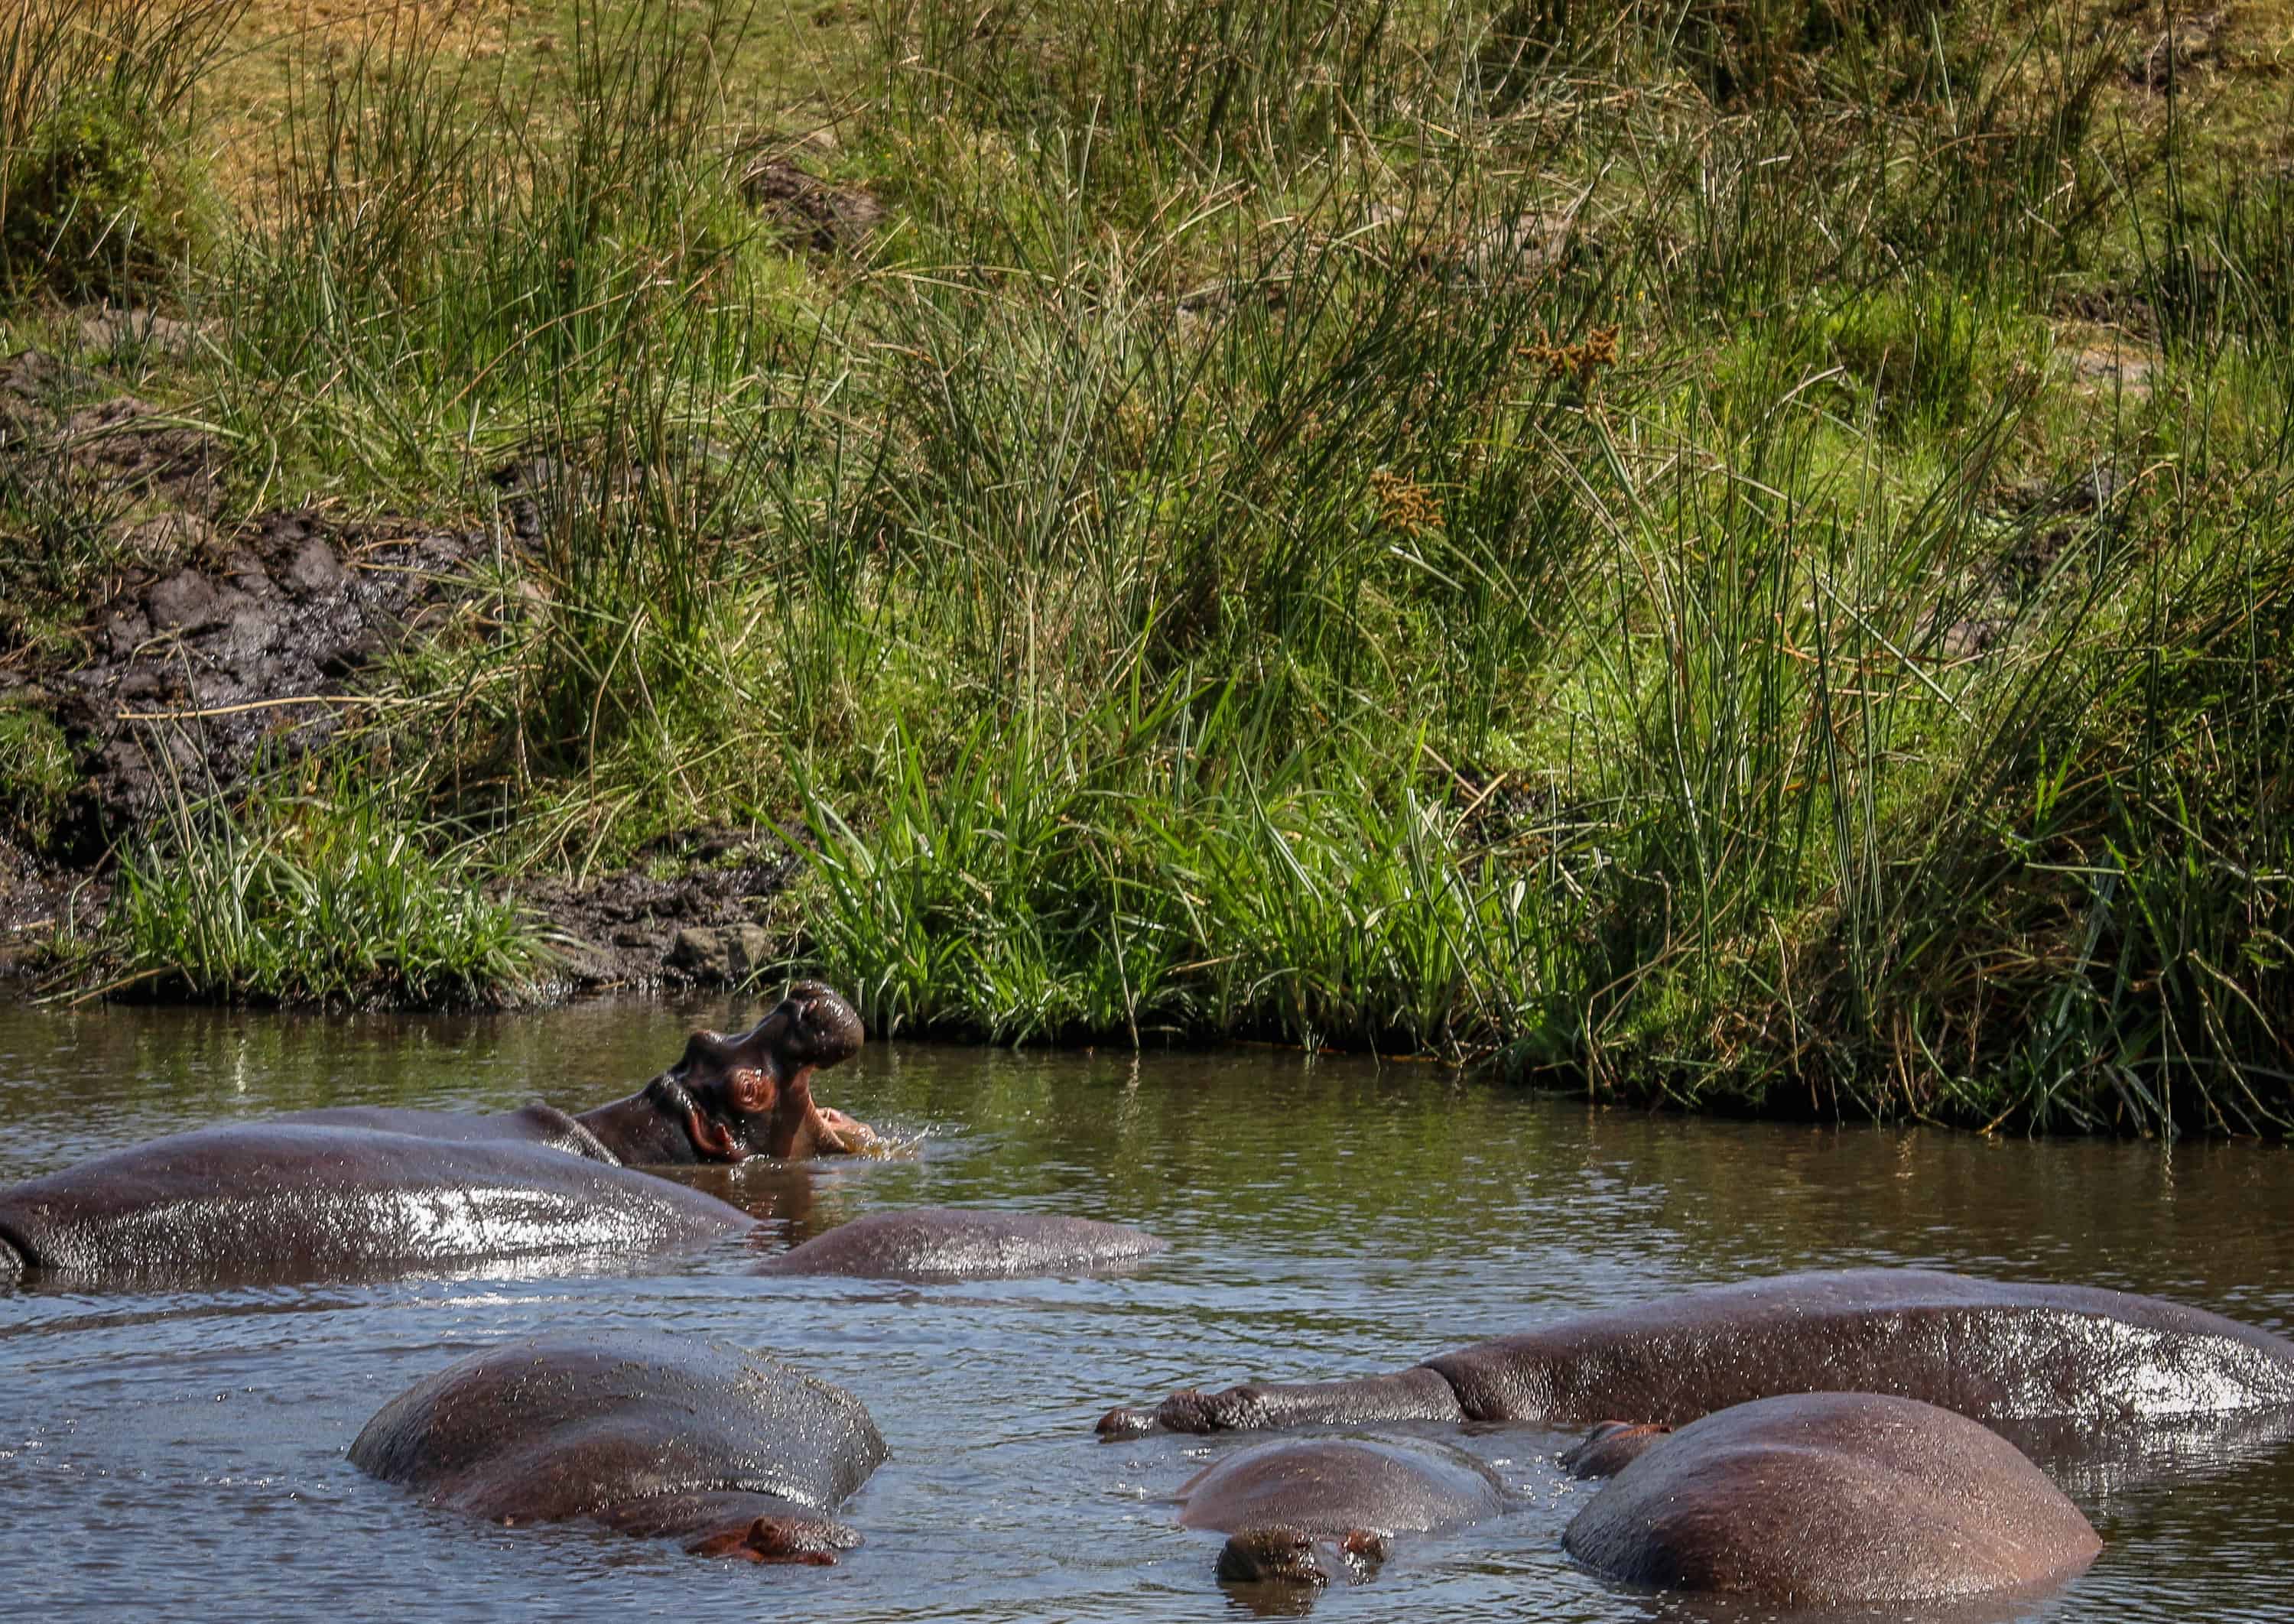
x=693 y=911
x=209 y=651
x=243 y=648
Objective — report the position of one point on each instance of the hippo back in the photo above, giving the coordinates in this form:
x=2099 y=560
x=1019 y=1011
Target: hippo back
x=532 y=1124
x=571 y=1424
x=1995 y=1351
x=1332 y=1486
x=935 y=1243
x=1828 y=1498
x=299 y=1201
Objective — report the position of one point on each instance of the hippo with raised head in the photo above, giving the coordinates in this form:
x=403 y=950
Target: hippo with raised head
x=1823 y=1499
x=1303 y=1512
x=1993 y=1350
x=944 y=1243
x=662 y=1436
x=726 y=1099
x=325 y=1194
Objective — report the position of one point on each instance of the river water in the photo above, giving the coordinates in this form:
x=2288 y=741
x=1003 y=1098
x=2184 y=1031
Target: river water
x=1326 y=1217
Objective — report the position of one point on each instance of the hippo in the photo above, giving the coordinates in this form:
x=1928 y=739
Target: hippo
x=1611 y=1447
x=942 y=1243
x=661 y=1436
x=726 y=1099
x=1817 y=1500
x=1990 y=1349
x=332 y=1193
x=1302 y=1512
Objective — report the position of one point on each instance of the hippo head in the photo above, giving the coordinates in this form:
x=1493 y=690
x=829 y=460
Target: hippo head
x=1278 y=1555
x=752 y=1095
x=1611 y=1447
x=733 y=1096
x=809 y=1541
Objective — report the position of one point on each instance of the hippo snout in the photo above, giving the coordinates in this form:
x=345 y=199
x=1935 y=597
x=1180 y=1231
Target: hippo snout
x=823 y=1027
x=1611 y=1447
x=803 y=1541
x=1126 y=1421
x=1270 y=1555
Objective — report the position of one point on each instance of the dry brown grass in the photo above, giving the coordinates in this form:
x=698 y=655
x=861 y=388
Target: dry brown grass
x=794 y=54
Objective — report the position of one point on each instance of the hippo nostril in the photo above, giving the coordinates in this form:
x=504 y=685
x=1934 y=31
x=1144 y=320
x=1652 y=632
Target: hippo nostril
x=827 y=1025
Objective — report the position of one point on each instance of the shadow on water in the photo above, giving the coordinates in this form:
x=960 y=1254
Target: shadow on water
x=1326 y=1218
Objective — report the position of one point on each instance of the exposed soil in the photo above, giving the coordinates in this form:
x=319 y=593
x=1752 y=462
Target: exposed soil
x=35 y=897
x=221 y=650
x=2189 y=46
x=248 y=650
x=826 y=218
x=692 y=913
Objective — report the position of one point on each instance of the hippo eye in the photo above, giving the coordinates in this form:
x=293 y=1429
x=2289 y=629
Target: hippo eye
x=750 y=1090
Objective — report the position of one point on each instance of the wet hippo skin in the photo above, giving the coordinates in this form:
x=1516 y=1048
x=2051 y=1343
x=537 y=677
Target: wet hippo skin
x=1994 y=1351
x=1830 y=1497
x=296 y=1202
x=649 y=1434
x=360 y=1191
x=1305 y=1512
x=936 y=1243
x=1611 y=1447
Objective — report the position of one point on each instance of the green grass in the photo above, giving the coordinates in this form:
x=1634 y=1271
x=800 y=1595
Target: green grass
x=37 y=775
x=1601 y=542
x=322 y=898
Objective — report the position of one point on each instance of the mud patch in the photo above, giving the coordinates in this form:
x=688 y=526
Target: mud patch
x=127 y=335
x=247 y=649
x=132 y=448
x=693 y=914
x=212 y=652
x=2170 y=57
x=2045 y=526
x=38 y=899
x=823 y=217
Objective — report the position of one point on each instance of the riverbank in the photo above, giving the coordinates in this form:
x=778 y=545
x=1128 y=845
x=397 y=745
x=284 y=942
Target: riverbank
x=1734 y=558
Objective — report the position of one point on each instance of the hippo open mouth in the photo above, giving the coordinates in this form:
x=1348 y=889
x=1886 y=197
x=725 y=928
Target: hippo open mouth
x=730 y=1098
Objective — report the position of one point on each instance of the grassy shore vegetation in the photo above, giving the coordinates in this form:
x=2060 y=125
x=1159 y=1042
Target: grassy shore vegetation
x=1731 y=551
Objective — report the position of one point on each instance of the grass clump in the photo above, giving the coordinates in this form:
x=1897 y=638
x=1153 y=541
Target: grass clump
x=97 y=199
x=37 y=776
x=322 y=899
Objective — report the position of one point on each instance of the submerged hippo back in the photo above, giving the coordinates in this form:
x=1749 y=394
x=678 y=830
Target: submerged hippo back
x=955 y=1243
x=291 y=1201
x=1826 y=1498
x=1992 y=1350
x=570 y=1424
x=1333 y=1486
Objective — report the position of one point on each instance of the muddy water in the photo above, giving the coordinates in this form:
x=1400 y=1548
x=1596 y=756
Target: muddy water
x=1326 y=1218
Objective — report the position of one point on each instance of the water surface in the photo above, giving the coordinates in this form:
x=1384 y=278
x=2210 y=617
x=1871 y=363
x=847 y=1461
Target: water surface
x=1326 y=1217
